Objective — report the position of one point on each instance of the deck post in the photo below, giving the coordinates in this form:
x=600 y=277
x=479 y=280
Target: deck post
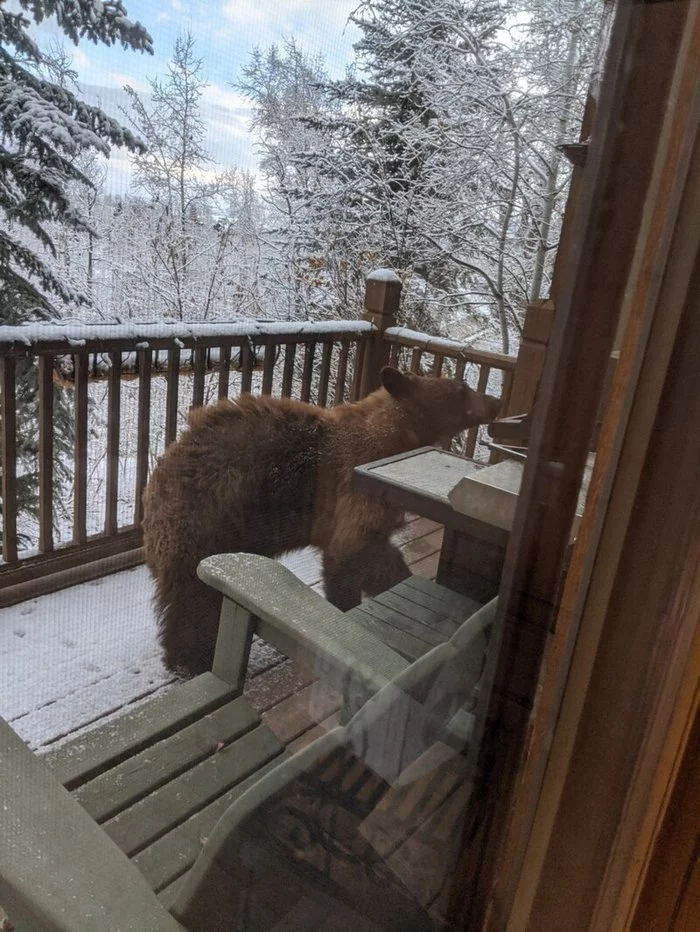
x=382 y=299
x=539 y=318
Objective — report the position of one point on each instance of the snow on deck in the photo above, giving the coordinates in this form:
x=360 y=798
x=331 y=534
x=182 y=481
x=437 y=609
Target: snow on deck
x=76 y=657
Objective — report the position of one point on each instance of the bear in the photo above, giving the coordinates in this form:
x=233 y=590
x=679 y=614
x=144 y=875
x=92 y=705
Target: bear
x=269 y=475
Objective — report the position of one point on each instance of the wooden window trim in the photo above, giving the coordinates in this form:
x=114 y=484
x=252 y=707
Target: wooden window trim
x=601 y=271
x=659 y=281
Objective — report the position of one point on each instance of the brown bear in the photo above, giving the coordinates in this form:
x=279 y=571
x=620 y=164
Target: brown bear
x=270 y=475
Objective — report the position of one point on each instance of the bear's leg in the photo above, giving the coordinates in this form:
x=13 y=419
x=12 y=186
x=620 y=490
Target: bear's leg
x=189 y=621
x=383 y=566
x=375 y=567
x=341 y=584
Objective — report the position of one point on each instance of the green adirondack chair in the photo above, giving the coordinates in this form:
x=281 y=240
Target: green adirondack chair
x=188 y=812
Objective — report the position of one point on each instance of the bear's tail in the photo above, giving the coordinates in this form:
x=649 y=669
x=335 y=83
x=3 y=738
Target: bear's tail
x=188 y=618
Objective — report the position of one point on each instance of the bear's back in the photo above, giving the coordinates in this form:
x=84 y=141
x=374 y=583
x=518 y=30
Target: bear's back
x=243 y=477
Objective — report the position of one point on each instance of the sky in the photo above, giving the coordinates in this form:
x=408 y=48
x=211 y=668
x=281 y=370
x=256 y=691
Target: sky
x=226 y=32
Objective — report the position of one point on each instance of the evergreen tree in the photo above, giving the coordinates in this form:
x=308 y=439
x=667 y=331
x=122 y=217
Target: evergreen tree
x=377 y=173
x=437 y=154
x=287 y=87
x=45 y=128
x=412 y=151
x=74 y=263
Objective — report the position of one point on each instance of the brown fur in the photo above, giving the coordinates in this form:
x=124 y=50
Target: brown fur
x=268 y=475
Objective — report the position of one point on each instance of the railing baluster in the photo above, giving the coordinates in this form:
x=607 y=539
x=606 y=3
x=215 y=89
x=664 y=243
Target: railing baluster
x=473 y=432
x=268 y=368
x=483 y=382
x=307 y=374
x=246 y=367
x=416 y=357
x=81 y=362
x=394 y=355
x=325 y=374
x=339 y=394
x=114 y=402
x=199 y=366
x=9 y=460
x=143 y=431
x=290 y=351
x=459 y=369
x=172 y=389
x=437 y=365
x=45 y=454
x=360 y=351
x=224 y=370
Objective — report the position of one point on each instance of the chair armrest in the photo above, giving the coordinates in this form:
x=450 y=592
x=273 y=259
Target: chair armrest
x=58 y=869
x=302 y=624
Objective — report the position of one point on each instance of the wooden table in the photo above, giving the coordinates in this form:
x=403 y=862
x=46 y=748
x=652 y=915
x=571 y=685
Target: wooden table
x=473 y=551
x=428 y=481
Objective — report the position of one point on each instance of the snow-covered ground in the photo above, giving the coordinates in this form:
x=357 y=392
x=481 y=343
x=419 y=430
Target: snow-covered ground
x=75 y=657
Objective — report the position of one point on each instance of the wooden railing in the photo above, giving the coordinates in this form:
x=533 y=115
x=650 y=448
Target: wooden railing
x=121 y=425
x=126 y=390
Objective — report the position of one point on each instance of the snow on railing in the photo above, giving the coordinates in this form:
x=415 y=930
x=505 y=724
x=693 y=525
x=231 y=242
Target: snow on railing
x=79 y=335
x=446 y=348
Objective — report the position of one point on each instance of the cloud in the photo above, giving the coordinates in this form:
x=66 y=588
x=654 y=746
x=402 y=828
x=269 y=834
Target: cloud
x=120 y=79
x=272 y=11
x=119 y=172
x=247 y=11
x=80 y=58
x=215 y=95
x=318 y=25
x=226 y=33
x=226 y=115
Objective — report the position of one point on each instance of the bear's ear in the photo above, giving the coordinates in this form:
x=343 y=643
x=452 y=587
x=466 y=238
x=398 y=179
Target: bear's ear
x=395 y=382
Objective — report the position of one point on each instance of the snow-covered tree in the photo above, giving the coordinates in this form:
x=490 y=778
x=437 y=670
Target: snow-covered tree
x=183 y=265
x=508 y=106
x=244 y=283
x=75 y=248
x=557 y=53
x=437 y=154
x=287 y=87
x=44 y=127
x=409 y=60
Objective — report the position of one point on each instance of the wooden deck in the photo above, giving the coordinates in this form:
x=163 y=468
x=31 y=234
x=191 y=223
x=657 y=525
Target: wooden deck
x=296 y=708
x=73 y=661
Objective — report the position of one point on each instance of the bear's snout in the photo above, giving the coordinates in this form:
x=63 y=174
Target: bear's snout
x=485 y=407
x=493 y=406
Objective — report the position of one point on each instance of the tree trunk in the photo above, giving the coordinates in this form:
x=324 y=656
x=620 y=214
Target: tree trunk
x=552 y=177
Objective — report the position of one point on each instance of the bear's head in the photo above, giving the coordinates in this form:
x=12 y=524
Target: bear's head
x=438 y=409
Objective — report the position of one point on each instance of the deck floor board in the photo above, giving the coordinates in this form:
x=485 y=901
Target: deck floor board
x=74 y=664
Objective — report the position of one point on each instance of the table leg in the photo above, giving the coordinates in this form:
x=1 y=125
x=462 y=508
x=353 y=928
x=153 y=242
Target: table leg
x=472 y=565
